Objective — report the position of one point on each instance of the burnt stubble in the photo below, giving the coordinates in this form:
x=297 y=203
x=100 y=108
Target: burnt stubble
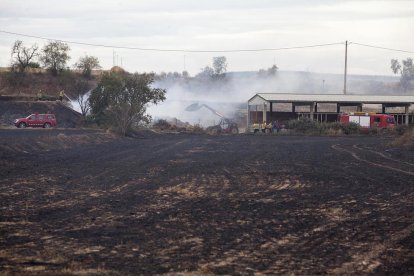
x=90 y=202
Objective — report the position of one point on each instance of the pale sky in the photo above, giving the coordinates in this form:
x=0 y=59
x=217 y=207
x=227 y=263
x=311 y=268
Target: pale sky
x=219 y=25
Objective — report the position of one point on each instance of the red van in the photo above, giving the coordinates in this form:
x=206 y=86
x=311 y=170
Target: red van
x=36 y=120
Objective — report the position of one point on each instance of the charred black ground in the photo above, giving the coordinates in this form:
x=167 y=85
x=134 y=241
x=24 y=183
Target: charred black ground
x=85 y=201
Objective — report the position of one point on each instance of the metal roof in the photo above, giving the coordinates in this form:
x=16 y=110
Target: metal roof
x=333 y=98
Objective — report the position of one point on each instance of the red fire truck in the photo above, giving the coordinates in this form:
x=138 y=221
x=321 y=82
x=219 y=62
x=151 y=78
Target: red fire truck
x=368 y=120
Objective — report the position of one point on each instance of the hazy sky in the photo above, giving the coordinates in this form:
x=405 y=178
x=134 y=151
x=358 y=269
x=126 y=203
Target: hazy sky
x=218 y=25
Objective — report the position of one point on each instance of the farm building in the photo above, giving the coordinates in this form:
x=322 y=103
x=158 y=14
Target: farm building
x=268 y=107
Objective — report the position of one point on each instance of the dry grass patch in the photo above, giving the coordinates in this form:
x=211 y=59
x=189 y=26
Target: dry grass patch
x=407 y=139
x=336 y=214
x=288 y=184
x=182 y=190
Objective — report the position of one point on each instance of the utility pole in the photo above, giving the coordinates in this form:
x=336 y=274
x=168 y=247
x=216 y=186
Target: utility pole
x=113 y=57
x=346 y=65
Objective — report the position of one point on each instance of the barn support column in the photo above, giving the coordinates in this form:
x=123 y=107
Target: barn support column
x=338 y=108
x=407 y=111
x=293 y=108
x=255 y=120
x=383 y=108
x=248 y=116
x=312 y=109
x=271 y=108
x=264 y=112
x=316 y=107
x=359 y=108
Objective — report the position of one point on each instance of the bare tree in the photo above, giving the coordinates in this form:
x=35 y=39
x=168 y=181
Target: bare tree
x=23 y=57
x=82 y=92
x=83 y=101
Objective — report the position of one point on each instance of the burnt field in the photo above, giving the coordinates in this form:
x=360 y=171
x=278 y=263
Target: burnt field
x=87 y=202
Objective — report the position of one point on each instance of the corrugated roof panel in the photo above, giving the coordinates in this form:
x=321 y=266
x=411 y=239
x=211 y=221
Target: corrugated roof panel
x=335 y=98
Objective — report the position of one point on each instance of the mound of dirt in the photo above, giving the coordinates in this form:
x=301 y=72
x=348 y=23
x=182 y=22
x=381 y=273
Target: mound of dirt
x=11 y=110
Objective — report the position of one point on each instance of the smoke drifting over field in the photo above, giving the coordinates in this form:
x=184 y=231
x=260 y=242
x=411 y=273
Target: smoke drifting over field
x=230 y=95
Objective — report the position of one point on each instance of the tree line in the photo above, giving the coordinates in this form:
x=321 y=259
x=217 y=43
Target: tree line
x=217 y=71
x=53 y=56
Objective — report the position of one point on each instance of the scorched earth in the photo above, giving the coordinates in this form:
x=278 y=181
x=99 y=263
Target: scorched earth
x=79 y=201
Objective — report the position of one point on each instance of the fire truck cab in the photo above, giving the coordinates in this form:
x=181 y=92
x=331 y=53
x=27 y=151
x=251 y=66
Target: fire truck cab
x=368 y=120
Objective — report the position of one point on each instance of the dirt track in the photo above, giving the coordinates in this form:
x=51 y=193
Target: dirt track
x=91 y=202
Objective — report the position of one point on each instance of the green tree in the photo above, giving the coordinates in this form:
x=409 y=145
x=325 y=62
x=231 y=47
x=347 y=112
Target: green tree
x=55 y=56
x=120 y=99
x=23 y=57
x=406 y=71
x=86 y=64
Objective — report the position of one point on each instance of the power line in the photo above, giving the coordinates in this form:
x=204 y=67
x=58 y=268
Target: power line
x=205 y=51
x=380 y=47
x=175 y=50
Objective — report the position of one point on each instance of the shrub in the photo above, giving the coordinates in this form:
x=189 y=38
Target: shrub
x=402 y=129
x=374 y=130
x=336 y=126
x=33 y=65
x=302 y=125
x=162 y=124
x=15 y=79
x=407 y=139
x=351 y=128
x=307 y=126
x=197 y=129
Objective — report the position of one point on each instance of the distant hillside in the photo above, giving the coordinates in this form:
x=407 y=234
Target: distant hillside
x=244 y=83
x=309 y=82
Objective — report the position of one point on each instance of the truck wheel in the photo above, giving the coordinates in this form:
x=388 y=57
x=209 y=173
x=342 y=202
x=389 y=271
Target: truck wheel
x=46 y=125
x=234 y=131
x=22 y=125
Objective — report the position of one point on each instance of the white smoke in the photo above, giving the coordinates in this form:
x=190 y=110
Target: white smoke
x=230 y=96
